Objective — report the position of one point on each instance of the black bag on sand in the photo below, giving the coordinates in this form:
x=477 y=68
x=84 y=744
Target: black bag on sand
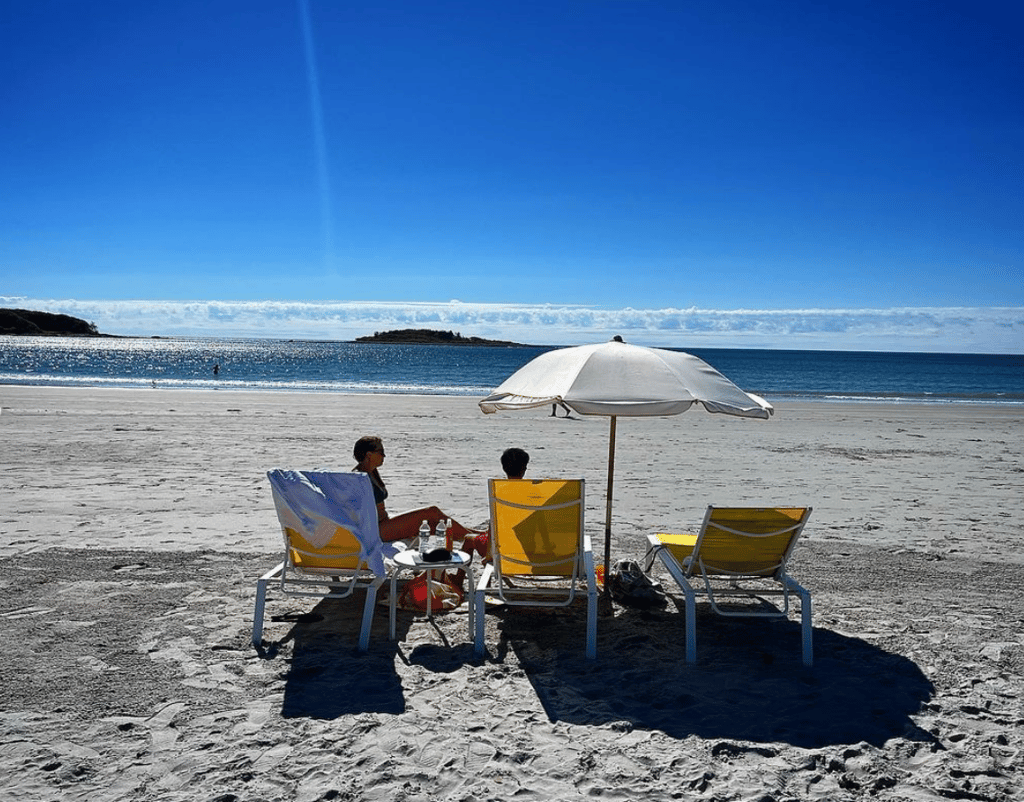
x=631 y=587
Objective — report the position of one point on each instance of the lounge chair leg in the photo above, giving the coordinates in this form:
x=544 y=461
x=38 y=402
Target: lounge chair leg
x=808 y=644
x=808 y=630
x=478 y=641
x=368 y=607
x=691 y=625
x=261 y=599
x=689 y=601
x=592 y=625
x=392 y=602
x=257 y=618
x=472 y=602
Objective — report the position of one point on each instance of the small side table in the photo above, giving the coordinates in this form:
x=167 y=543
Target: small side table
x=410 y=560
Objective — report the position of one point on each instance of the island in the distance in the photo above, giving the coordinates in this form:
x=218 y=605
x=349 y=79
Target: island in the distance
x=26 y=322
x=431 y=337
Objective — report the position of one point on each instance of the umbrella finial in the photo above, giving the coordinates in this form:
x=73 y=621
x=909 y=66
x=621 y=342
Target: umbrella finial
x=617 y=339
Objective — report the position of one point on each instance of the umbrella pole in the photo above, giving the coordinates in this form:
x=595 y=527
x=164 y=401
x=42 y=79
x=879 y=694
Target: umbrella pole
x=608 y=510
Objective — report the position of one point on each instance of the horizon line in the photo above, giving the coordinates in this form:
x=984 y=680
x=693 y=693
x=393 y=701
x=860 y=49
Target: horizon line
x=895 y=329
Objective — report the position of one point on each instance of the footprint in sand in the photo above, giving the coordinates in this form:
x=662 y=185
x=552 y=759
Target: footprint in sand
x=478 y=755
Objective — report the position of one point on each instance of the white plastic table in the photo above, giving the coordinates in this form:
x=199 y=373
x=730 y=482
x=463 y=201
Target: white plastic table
x=410 y=560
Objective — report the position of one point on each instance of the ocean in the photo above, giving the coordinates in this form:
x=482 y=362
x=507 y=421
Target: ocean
x=345 y=367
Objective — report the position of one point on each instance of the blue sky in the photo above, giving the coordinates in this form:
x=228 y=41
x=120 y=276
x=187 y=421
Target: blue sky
x=764 y=174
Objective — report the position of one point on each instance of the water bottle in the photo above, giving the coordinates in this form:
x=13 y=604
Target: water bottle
x=439 y=538
x=424 y=537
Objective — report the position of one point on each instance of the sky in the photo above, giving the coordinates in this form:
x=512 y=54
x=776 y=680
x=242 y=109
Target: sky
x=743 y=173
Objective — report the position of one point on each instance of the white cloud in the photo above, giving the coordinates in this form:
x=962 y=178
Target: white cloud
x=978 y=329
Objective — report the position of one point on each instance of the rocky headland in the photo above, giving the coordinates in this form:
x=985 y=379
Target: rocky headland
x=30 y=323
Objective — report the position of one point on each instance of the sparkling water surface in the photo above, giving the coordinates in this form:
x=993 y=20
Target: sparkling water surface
x=253 y=364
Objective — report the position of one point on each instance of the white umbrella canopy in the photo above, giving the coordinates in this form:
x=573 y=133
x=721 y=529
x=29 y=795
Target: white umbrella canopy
x=618 y=379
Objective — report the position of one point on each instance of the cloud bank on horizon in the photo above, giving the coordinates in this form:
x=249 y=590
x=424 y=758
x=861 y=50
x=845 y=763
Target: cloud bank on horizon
x=934 y=329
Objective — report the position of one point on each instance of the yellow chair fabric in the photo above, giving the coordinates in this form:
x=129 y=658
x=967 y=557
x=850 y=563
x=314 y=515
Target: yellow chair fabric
x=749 y=541
x=341 y=552
x=536 y=526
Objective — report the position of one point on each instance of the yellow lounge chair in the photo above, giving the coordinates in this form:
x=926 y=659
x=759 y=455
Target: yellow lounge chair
x=331 y=542
x=739 y=552
x=540 y=555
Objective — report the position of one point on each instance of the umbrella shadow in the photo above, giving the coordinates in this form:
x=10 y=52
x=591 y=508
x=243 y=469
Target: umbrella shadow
x=748 y=684
x=327 y=676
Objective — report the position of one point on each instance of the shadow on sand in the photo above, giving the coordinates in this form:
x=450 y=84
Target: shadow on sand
x=328 y=677
x=748 y=683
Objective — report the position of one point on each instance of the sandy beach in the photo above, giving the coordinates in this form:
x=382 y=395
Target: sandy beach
x=135 y=523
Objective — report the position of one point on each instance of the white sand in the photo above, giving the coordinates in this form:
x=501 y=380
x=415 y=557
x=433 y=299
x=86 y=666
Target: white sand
x=134 y=525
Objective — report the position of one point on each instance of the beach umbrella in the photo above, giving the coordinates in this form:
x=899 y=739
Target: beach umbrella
x=618 y=379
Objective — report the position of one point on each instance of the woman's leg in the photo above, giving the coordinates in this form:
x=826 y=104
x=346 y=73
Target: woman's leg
x=406 y=525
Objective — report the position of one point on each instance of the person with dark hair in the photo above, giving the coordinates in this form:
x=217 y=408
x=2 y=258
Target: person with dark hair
x=369 y=456
x=514 y=462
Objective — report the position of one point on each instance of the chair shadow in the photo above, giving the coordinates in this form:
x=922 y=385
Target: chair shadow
x=327 y=676
x=748 y=683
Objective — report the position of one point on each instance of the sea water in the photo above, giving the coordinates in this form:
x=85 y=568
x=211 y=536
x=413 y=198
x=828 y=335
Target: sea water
x=295 y=365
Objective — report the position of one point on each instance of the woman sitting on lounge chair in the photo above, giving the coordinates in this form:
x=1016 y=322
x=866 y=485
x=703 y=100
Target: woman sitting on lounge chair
x=369 y=456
